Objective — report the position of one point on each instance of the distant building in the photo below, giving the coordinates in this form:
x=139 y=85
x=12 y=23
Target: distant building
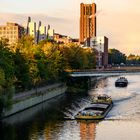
x=87 y=22
x=42 y=33
x=11 y=31
x=50 y=34
x=75 y=41
x=62 y=38
x=100 y=44
x=32 y=30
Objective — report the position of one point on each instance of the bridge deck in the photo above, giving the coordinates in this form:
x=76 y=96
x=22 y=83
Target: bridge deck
x=98 y=73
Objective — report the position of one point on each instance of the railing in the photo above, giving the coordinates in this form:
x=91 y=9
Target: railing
x=26 y=94
x=98 y=73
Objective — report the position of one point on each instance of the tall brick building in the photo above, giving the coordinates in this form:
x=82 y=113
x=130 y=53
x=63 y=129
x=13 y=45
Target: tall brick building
x=87 y=21
x=11 y=31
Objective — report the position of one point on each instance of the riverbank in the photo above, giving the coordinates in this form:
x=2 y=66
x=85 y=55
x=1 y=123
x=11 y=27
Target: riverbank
x=33 y=97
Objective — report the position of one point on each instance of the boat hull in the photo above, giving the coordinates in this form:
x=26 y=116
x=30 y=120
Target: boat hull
x=121 y=84
x=100 y=117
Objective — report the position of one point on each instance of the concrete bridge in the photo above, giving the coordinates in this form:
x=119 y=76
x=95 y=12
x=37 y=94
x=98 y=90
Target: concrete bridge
x=100 y=73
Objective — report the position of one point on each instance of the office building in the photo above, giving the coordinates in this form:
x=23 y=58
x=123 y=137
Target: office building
x=11 y=31
x=62 y=39
x=50 y=34
x=42 y=33
x=32 y=30
x=87 y=22
x=100 y=44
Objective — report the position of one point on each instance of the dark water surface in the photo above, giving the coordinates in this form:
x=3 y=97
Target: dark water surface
x=46 y=121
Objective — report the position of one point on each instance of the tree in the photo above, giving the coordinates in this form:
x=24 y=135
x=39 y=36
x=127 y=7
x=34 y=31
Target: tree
x=116 y=57
x=133 y=59
x=6 y=76
x=22 y=77
x=51 y=61
x=76 y=57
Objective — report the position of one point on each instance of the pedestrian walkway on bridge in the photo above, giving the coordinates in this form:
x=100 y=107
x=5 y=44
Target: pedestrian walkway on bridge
x=98 y=73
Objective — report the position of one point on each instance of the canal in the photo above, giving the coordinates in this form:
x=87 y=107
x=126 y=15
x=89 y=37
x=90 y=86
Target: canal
x=46 y=121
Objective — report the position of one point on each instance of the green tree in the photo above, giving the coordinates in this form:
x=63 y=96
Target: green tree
x=22 y=77
x=6 y=75
x=133 y=59
x=116 y=57
x=76 y=57
x=6 y=60
x=51 y=61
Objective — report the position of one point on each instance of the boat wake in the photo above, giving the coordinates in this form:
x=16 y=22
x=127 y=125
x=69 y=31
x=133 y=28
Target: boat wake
x=126 y=108
x=71 y=111
x=121 y=97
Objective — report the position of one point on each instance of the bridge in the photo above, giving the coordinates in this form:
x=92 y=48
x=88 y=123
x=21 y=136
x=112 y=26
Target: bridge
x=103 y=73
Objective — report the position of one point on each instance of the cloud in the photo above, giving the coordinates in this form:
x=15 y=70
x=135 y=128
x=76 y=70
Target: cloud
x=60 y=24
x=122 y=29
x=22 y=18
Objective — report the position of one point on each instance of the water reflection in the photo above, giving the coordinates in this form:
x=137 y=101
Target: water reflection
x=87 y=130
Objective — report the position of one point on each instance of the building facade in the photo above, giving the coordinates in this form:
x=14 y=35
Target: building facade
x=50 y=34
x=32 y=30
x=87 y=21
x=42 y=33
x=62 y=39
x=100 y=44
x=11 y=31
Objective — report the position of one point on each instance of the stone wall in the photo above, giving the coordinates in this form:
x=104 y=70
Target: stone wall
x=34 y=100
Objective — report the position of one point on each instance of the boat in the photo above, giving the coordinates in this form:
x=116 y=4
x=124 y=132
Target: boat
x=97 y=110
x=121 y=82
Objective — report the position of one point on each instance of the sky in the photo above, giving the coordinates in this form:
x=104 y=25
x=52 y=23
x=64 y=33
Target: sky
x=117 y=19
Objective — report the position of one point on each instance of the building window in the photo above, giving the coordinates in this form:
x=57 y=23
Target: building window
x=84 y=11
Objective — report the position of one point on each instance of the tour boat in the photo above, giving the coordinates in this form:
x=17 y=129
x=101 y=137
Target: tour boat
x=97 y=110
x=121 y=82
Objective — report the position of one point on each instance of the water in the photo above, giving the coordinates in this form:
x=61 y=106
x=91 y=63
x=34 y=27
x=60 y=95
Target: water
x=46 y=121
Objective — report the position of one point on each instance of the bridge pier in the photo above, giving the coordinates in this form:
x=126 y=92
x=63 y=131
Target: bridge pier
x=80 y=84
